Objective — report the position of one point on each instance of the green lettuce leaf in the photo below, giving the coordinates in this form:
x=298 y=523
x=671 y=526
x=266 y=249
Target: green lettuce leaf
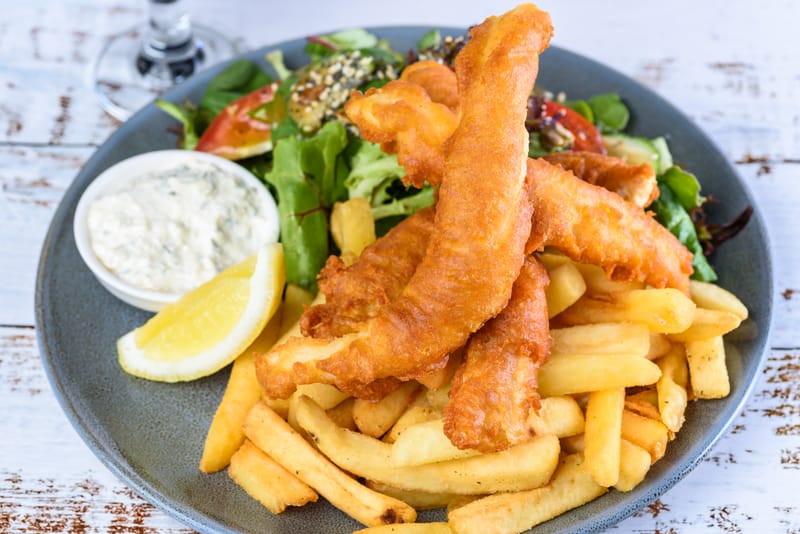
x=238 y=79
x=307 y=176
x=671 y=214
x=319 y=157
x=186 y=115
x=376 y=176
x=685 y=187
x=610 y=113
x=302 y=215
x=421 y=198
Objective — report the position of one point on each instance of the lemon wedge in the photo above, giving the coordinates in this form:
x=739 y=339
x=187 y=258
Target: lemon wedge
x=211 y=325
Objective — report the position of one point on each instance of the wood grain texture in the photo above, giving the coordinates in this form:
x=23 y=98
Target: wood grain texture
x=47 y=481
x=730 y=67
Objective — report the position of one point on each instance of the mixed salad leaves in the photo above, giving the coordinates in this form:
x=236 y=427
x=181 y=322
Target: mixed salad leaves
x=288 y=129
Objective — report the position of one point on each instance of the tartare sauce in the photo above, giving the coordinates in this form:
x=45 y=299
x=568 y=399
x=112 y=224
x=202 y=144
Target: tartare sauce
x=173 y=229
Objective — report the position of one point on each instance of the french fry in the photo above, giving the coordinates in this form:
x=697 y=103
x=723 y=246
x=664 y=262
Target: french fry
x=442 y=376
x=633 y=467
x=342 y=414
x=650 y=434
x=413 y=415
x=662 y=310
x=571 y=486
x=521 y=467
x=714 y=297
x=295 y=298
x=225 y=433
x=594 y=277
x=573 y=444
x=659 y=346
x=602 y=338
x=352 y=226
x=408 y=528
x=294 y=301
x=552 y=259
x=425 y=443
x=579 y=373
x=325 y=395
x=279 y=406
x=671 y=387
x=420 y=500
x=438 y=398
x=375 y=418
x=708 y=324
x=278 y=440
x=644 y=402
x=560 y=416
x=598 y=282
x=267 y=481
x=565 y=288
x=461 y=500
x=602 y=435
x=708 y=372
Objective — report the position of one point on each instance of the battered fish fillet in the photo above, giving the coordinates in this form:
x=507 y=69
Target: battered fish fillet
x=482 y=217
x=356 y=293
x=496 y=386
x=405 y=121
x=438 y=80
x=481 y=226
x=593 y=225
x=623 y=226
x=411 y=117
x=635 y=183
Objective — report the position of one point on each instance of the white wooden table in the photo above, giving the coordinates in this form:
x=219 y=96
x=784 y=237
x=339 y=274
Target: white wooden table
x=732 y=67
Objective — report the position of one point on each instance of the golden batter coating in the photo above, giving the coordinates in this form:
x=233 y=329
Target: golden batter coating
x=495 y=388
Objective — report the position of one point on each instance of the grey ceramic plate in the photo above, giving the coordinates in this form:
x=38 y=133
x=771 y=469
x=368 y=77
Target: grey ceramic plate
x=151 y=434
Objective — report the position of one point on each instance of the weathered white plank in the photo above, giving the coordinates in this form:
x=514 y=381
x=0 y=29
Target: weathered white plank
x=45 y=97
x=32 y=182
x=49 y=480
x=729 y=66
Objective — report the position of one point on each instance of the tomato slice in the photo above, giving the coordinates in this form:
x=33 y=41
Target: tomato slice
x=235 y=133
x=587 y=137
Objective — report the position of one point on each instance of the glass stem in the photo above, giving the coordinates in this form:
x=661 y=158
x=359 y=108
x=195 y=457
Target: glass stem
x=170 y=27
x=169 y=53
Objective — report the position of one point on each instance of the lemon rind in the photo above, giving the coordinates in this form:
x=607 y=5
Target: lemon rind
x=263 y=289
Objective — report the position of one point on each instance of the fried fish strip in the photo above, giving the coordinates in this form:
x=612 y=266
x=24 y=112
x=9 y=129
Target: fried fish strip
x=624 y=224
x=593 y=225
x=354 y=294
x=405 y=121
x=482 y=213
x=438 y=80
x=495 y=388
x=635 y=183
x=411 y=117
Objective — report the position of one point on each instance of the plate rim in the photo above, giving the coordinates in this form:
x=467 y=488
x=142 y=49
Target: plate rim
x=194 y=518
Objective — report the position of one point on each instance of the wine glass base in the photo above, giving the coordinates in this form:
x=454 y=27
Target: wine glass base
x=124 y=81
